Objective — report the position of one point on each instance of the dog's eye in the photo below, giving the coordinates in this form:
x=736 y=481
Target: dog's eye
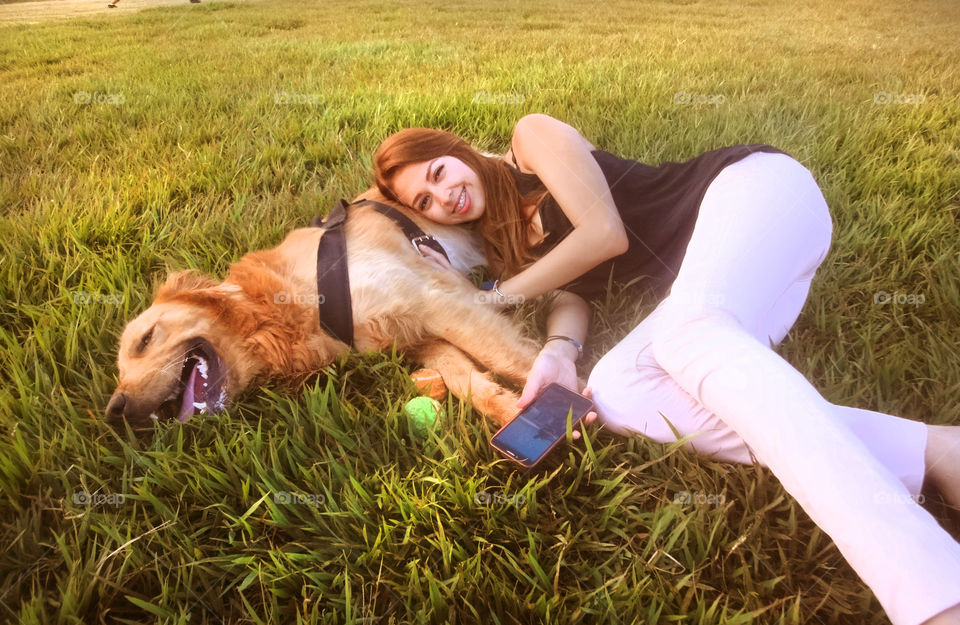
x=145 y=341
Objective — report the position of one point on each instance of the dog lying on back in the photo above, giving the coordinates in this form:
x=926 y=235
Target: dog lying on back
x=202 y=342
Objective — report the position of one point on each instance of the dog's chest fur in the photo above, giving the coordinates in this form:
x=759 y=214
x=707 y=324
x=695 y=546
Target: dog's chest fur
x=390 y=283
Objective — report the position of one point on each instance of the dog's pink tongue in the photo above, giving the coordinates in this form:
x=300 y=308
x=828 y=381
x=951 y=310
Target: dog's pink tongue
x=187 y=409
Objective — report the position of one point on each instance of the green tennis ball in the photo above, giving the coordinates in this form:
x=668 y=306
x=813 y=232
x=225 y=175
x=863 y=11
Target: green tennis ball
x=423 y=414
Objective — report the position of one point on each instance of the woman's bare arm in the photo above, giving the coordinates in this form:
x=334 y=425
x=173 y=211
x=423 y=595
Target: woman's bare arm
x=569 y=316
x=561 y=158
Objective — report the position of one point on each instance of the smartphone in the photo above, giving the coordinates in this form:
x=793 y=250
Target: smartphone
x=541 y=425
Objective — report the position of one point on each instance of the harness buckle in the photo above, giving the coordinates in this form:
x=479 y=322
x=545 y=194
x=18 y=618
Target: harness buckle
x=415 y=241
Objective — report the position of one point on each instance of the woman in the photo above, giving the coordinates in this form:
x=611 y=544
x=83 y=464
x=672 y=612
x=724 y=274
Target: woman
x=736 y=236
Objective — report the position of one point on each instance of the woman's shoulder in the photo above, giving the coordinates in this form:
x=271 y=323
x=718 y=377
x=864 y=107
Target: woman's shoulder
x=538 y=136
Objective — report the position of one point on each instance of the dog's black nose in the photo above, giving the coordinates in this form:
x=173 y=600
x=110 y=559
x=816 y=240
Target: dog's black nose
x=115 y=407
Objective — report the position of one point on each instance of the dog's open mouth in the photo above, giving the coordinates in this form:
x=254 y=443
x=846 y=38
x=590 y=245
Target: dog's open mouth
x=200 y=388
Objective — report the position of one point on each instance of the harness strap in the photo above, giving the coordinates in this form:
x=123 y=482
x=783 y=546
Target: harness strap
x=333 y=282
x=411 y=230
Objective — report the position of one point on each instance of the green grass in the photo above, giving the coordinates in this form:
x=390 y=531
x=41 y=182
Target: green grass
x=200 y=163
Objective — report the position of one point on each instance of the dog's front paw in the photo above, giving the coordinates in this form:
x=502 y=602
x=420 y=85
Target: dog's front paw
x=501 y=407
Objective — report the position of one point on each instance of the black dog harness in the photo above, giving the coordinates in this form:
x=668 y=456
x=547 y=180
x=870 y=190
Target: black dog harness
x=333 y=282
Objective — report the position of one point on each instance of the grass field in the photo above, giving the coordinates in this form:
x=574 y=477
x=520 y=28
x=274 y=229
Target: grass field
x=36 y=11
x=185 y=136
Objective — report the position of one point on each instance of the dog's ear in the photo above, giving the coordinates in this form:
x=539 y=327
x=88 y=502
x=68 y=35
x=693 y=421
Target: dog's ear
x=180 y=281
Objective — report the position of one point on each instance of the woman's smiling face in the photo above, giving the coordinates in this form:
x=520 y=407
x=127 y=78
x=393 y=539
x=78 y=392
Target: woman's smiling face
x=443 y=189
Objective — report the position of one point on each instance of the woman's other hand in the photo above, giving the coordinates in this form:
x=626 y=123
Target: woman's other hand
x=439 y=262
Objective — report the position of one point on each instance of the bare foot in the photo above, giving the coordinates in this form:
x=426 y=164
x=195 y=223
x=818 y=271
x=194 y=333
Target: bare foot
x=943 y=463
x=950 y=616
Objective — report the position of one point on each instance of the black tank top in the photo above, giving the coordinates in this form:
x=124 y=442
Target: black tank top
x=659 y=207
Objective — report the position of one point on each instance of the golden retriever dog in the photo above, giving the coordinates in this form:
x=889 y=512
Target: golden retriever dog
x=202 y=342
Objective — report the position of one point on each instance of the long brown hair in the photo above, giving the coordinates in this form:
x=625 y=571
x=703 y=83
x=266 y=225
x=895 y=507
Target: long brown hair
x=503 y=224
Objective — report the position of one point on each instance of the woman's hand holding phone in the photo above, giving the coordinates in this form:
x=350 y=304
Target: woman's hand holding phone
x=541 y=425
x=552 y=366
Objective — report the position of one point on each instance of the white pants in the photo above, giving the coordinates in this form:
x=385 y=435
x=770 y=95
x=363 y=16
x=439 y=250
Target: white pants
x=702 y=360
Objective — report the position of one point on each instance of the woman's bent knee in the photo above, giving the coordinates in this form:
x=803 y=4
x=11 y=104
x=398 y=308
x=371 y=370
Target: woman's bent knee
x=694 y=344
x=634 y=395
x=614 y=384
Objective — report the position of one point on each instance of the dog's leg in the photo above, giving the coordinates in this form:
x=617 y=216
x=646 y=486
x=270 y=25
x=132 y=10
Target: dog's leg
x=465 y=381
x=492 y=339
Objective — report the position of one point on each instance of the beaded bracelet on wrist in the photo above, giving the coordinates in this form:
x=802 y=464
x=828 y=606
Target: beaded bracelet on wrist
x=574 y=342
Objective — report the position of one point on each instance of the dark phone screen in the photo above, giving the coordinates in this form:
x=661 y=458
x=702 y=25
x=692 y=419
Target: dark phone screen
x=542 y=423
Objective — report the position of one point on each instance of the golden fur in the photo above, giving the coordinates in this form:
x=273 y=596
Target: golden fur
x=263 y=324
